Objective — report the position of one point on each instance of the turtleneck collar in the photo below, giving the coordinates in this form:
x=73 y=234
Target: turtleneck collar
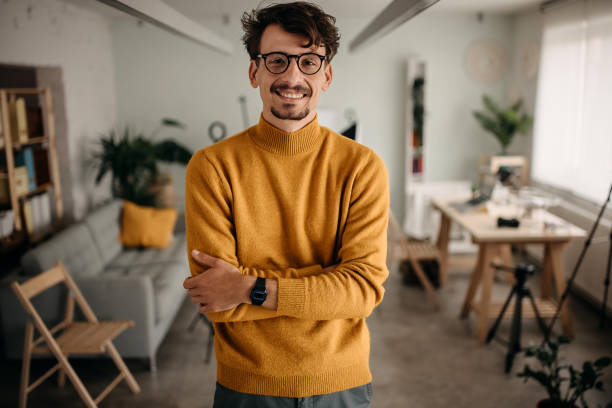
x=278 y=141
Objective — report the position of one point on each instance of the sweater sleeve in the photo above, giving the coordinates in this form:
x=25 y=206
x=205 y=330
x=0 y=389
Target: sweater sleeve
x=210 y=229
x=355 y=287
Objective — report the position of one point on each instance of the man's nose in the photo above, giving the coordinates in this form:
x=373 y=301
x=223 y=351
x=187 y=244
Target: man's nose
x=293 y=71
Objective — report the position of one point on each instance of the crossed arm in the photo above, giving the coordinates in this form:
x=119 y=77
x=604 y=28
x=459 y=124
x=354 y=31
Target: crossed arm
x=222 y=287
x=351 y=288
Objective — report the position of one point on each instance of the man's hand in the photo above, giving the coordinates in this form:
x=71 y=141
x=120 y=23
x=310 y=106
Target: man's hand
x=221 y=287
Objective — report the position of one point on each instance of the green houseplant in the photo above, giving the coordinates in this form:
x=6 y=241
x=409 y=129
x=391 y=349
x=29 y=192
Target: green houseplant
x=133 y=160
x=564 y=383
x=504 y=123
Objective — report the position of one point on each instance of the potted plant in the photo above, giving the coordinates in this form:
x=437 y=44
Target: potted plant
x=132 y=160
x=564 y=383
x=503 y=123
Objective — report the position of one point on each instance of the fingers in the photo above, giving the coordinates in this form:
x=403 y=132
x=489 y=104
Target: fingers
x=189 y=283
x=205 y=259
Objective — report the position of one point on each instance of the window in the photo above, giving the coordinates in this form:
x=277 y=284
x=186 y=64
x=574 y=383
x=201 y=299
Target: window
x=573 y=129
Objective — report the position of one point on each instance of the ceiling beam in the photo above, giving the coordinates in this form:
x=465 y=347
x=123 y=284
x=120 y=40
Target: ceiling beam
x=394 y=15
x=162 y=15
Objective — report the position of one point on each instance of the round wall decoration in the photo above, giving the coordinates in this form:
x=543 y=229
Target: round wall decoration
x=486 y=61
x=217 y=135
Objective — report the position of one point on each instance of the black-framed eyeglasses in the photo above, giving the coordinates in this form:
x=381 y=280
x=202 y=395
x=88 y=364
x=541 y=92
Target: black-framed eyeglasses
x=278 y=62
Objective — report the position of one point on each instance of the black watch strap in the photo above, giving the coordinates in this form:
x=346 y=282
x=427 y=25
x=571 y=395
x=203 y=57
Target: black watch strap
x=258 y=293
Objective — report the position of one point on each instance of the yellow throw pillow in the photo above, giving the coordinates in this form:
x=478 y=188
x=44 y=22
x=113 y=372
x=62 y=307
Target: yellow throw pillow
x=147 y=226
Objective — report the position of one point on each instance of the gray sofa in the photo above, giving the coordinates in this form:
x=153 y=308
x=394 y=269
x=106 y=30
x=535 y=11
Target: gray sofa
x=144 y=285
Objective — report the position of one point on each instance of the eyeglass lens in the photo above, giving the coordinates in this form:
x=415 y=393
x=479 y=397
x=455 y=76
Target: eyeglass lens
x=307 y=63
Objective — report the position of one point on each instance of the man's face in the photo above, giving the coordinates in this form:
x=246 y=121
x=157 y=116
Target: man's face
x=291 y=95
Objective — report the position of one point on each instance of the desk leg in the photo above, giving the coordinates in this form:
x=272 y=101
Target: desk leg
x=485 y=295
x=474 y=282
x=558 y=272
x=442 y=244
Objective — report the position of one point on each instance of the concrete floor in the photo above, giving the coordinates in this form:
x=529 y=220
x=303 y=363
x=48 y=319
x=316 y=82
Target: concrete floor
x=420 y=358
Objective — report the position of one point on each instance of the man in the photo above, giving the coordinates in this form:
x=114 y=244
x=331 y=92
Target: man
x=290 y=222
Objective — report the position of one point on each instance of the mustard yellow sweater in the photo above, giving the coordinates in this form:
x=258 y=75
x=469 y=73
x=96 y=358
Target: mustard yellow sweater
x=284 y=206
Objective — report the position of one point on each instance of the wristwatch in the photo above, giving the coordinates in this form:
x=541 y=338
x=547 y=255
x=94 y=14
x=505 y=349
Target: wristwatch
x=258 y=293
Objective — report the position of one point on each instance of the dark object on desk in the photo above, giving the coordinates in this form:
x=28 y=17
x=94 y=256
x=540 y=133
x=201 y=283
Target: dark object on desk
x=485 y=191
x=521 y=273
x=430 y=267
x=508 y=222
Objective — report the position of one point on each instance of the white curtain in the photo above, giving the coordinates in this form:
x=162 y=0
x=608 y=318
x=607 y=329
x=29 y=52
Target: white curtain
x=573 y=119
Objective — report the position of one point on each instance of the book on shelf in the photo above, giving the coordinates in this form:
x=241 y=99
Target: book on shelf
x=37 y=215
x=19 y=121
x=7 y=219
x=25 y=158
x=21 y=184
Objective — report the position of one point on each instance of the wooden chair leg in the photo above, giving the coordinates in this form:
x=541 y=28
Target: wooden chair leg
x=25 y=365
x=65 y=365
x=114 y=354
x=425 y=282
x=61 y=378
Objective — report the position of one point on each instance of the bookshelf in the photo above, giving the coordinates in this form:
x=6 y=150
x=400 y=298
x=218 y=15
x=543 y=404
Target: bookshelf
x=414 y=120
x=28 y=159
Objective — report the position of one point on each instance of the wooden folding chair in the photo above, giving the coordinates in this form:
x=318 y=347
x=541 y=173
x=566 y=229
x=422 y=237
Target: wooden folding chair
x=414 y=252
x=87 y=337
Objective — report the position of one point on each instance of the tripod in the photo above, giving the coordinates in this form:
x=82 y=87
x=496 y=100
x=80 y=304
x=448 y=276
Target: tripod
x=521 y=273
x=570 y=282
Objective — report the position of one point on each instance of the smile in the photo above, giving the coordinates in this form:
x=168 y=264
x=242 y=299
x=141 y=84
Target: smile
x=290 y=95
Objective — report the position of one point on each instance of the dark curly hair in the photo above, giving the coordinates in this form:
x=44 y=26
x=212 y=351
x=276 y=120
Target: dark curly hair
x=300 y=17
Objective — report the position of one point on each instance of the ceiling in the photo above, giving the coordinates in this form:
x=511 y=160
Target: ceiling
x=202 y=10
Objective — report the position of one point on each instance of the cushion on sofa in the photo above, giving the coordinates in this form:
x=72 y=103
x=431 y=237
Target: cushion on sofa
x=167 y=279
x=147 y=226
x=167 y=268
x=73 y=246
x=176 y=252
x=103 y=223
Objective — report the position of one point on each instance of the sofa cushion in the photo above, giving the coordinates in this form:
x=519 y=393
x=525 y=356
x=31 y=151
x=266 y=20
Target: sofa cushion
x=103 y=223
x=74 y=246
x=147 y=226
x=175 y=252
x=167 y=268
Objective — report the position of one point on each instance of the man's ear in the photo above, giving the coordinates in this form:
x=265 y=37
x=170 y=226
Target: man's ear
x=328 y=77
x=252 y=71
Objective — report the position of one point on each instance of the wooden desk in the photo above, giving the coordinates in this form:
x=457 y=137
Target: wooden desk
x=484 y=232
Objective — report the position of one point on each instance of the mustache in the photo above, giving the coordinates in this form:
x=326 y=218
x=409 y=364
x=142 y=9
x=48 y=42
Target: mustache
x=297 y=89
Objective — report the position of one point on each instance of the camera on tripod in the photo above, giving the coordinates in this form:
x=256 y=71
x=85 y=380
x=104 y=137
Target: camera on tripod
x=521 y=273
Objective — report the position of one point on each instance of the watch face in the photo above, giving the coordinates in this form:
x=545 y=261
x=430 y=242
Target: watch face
x=258 y=295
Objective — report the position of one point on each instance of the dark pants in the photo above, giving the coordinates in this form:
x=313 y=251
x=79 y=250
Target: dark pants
x=358 y=397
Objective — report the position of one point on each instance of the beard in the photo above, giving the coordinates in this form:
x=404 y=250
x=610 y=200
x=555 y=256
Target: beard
x=288 y=109
x=288 y=114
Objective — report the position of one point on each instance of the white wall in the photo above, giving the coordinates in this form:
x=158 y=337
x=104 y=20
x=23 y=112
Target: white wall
x=159 y=74
x=53 y=33
x=526 y=40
